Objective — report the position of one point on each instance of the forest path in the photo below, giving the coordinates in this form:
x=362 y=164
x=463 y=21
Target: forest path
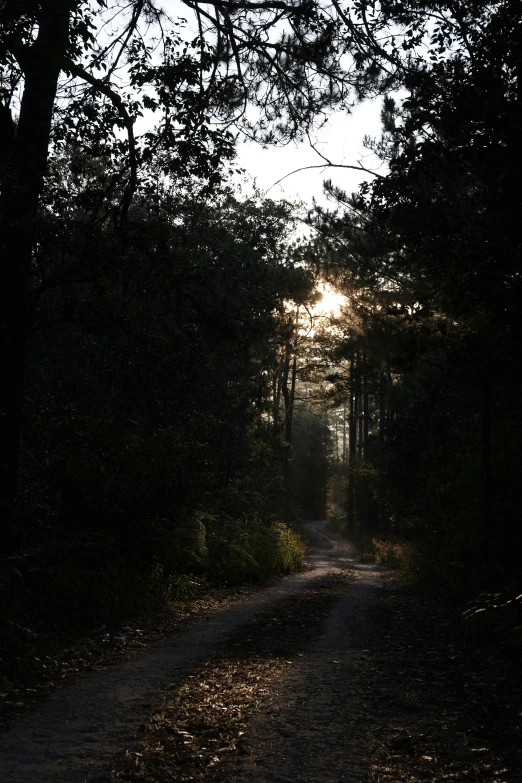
x=81 y=729
x=340 y=673
x=317 y=727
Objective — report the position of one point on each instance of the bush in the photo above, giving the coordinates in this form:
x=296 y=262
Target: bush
x=252 y=550
x=395 y=554
x=110 y=527
x=77 y=580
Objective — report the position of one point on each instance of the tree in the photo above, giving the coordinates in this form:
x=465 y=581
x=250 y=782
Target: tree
x=312 y=456
x=434 y=245
x=269 y=69
x=282 y=59
x=147 y=453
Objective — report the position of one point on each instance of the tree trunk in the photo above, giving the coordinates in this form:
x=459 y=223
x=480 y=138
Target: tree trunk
x=382 y=413
x=22 y=176
x=344 y=434
x=366 y=425
x=357 y=430
x=350 y=517
x=379 y=517
x=288 y=396
x=485 y=457
x=290 y=409
x=289 y=415
x=276 y=401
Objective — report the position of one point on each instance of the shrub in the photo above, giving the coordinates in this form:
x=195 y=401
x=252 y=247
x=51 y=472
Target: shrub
x=252 y=550
x=395 y=554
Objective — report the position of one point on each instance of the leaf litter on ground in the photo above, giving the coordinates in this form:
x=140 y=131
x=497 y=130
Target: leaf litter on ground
x=203 y=726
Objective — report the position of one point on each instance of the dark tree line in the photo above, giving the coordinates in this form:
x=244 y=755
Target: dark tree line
x=142 y=303
x=429 y=256
x=148 y=450
x=84 y=73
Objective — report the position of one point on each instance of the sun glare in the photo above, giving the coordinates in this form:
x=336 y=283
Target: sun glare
x=331 y=302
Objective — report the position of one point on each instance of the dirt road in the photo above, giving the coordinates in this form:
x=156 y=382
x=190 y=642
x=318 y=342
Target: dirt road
x=81 y=728
x=319 y=735
x=335 y=674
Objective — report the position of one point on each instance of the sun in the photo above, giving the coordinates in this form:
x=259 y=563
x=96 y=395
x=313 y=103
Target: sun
x=331 y=302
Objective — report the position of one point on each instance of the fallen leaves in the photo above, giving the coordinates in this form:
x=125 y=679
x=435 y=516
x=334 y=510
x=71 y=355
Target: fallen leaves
x=71 y=661
x=203 y=725
x=425 y=719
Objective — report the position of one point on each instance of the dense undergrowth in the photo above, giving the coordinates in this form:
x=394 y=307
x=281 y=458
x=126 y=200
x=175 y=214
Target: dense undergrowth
x=159 y=333
x=81 y=580
x=384 y=551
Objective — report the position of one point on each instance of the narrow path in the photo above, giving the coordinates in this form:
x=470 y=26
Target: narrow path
x=80 y=729
x=383 y=696
x=316 y=729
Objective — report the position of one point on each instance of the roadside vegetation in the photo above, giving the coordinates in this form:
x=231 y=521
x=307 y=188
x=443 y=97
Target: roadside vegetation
x=399 y=555
x=423 y=359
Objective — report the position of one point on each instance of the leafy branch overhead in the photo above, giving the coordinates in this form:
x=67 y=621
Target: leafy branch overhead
x=267 y=70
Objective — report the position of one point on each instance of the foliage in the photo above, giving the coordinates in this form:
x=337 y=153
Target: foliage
x=399 y=554
x=146 y=330
x=148 y=464
x=429 y=256
x=240 y=551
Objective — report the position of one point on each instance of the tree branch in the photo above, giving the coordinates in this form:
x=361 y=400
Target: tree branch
x=117 y=101
x=326 y=166
x=265 y=5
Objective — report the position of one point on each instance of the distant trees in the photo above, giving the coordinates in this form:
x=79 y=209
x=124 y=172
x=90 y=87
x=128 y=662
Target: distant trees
x=154 y=359
x=167 y=322
x=312 y=462
x=71 y=74
x=141 y=301
x=299 y=418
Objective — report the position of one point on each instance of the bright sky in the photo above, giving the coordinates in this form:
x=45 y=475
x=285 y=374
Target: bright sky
x=329 y=306
x=340 y=141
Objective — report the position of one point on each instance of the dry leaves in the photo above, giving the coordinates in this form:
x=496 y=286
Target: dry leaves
x=106 y=646
x=203 y=727
x=426 y=722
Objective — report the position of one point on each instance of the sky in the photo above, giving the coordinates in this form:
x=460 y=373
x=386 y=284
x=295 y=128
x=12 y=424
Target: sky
x=340 y=141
